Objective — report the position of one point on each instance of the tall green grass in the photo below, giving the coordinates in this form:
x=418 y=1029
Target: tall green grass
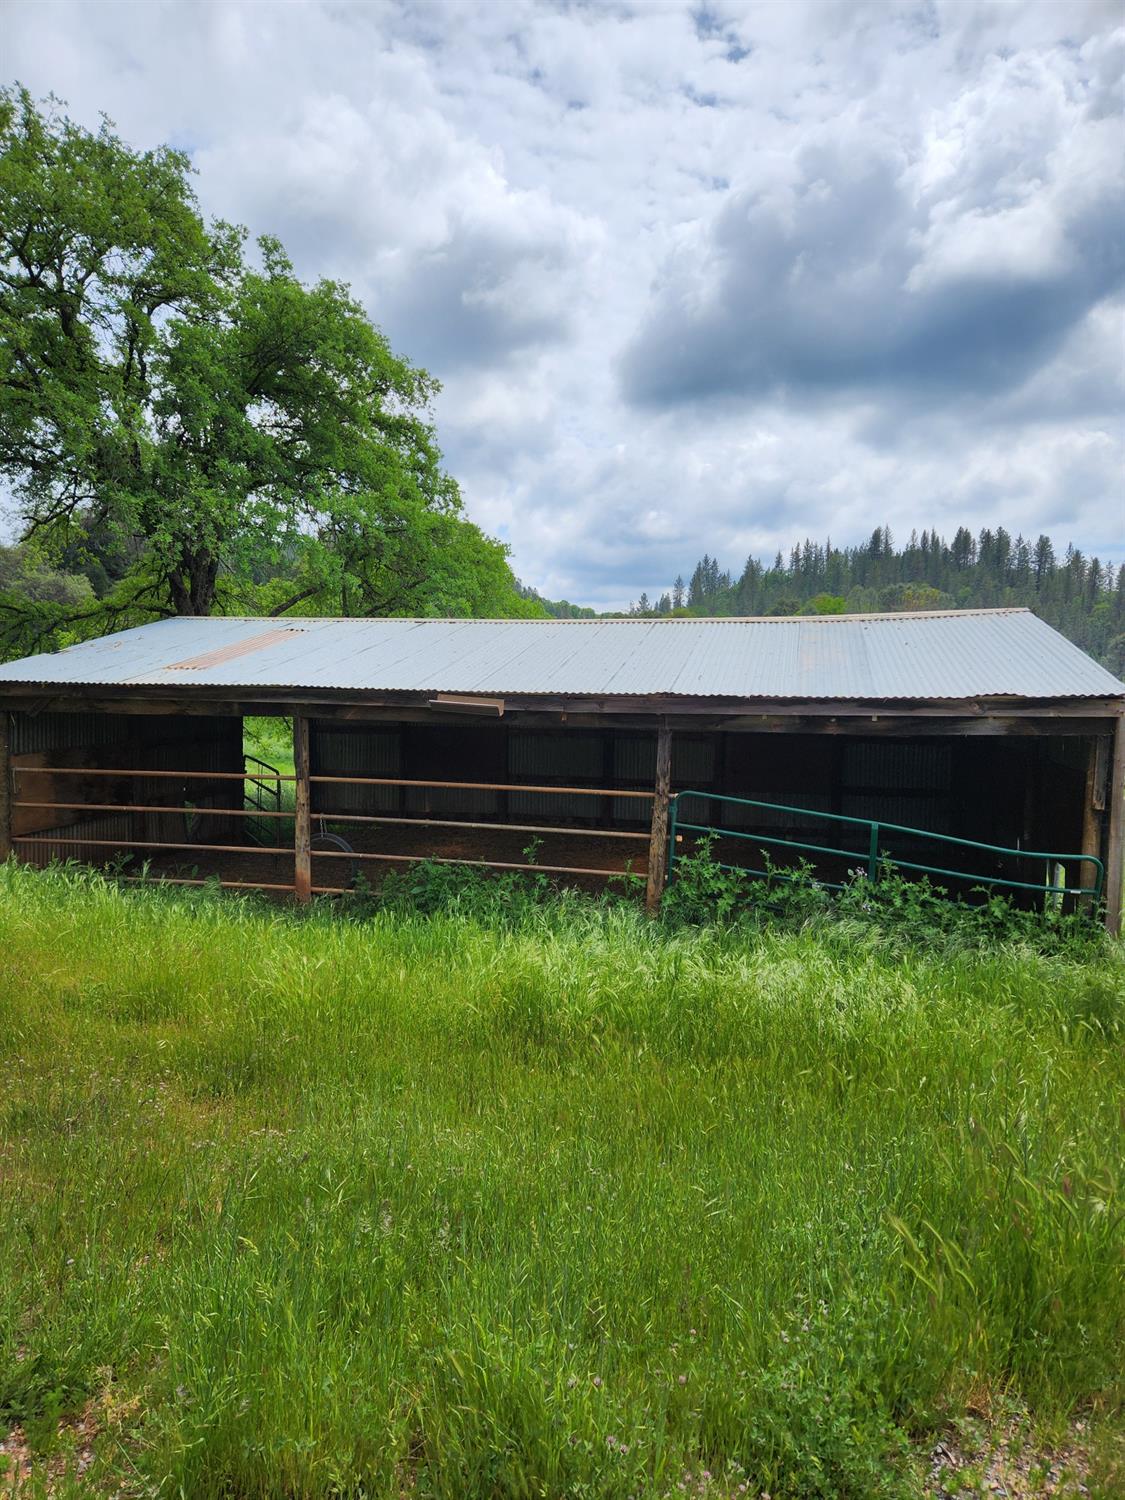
x=572 y=1206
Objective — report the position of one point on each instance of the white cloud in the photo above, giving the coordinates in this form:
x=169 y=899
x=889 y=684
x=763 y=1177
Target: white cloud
x=869 y=252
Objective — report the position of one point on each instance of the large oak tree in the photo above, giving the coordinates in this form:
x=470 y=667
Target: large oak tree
x=227 y=431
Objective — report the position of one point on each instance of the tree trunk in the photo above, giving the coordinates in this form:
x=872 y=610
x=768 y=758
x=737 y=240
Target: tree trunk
x=192 y=583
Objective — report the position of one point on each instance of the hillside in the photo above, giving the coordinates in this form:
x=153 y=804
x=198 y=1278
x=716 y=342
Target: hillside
x=1080 y=596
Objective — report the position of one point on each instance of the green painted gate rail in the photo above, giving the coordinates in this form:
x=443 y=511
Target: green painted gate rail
x=873 y=858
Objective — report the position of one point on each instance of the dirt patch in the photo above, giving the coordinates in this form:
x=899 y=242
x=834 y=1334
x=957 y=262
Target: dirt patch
x=1007 y=1462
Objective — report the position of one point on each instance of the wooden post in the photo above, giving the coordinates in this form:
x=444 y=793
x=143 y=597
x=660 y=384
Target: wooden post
x=1093 y=805
x=658 y=836
x=1115 y=846
x=5 y=785
x=302 y=826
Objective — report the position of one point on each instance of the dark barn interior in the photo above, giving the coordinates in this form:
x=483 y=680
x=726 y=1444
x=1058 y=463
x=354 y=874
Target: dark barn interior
x=151 y=779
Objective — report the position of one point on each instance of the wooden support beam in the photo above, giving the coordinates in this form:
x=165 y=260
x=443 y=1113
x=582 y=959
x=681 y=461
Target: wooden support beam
x=1093 y=805
x=658 y=834
x=5 y=785
x=302 y=811
x=1115 y=847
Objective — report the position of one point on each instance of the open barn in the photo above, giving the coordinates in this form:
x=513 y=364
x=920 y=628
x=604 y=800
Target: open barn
x=978 y=747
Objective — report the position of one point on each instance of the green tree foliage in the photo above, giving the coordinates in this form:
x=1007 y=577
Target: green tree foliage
x=1080 y=596
x=186 y=422
x=21 y=572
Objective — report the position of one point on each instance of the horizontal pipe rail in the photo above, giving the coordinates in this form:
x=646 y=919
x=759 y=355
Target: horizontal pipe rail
x=482 y=786
x=904 y=864
x=1018 y=885
x=468 y=786
x=134 y=771
x=872 y=858
x=47 y=838
x=207 y=812
x=227 y=885
x=779 y=874
x=762 y=838
x=924 y=833
x=488 y=864
x=333 y=817
x=393 y=822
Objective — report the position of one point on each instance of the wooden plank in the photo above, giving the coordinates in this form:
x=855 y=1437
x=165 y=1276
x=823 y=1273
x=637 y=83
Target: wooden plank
x=1091 y=822
x=1115 y=847
x=658 y=832
x=1093 y=793
x=302 y=811
x=1103 y=744
x=5 y=786
x=351 y=704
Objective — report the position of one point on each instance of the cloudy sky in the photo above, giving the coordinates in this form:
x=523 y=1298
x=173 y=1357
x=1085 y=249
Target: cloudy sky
x=701 y=276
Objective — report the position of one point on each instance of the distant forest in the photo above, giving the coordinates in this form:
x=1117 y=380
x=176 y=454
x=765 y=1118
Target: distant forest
x=1080 y=596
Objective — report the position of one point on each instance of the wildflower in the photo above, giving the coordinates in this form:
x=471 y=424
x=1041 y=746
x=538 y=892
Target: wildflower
x=597 y=1382
x=683 y=1379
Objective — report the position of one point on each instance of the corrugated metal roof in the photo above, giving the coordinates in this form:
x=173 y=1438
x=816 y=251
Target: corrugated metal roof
x=961 y=654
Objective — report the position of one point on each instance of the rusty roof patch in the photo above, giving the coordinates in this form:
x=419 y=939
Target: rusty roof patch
x=228 y=653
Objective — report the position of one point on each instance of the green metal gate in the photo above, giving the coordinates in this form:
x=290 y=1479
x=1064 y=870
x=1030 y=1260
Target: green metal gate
x=872 y=857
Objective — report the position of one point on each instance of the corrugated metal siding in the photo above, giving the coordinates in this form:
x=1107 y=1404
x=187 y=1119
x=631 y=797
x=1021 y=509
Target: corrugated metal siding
x=34 y=733
x=374 y=752
x=959 y=654
x=450 y=802
x=898 y=783
x=574 y=759
x=895 y=765
x=911 y=811
x=206 y=747
x=634 y=765
x=736 y=815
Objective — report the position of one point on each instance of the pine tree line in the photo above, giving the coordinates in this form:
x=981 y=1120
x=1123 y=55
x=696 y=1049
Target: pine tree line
x=1080 y=596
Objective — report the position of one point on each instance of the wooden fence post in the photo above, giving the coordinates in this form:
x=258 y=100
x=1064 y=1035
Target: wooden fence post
x=302 y=807
x=1093 y=806
x=658 y=836
x=1115 y=847
x=5 y=785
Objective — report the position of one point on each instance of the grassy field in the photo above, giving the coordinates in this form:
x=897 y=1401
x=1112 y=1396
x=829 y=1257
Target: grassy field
x=574 y=1206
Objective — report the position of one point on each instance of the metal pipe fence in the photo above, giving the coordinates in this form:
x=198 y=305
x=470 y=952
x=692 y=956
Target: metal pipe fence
x=254 y=809
x=873 y=856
